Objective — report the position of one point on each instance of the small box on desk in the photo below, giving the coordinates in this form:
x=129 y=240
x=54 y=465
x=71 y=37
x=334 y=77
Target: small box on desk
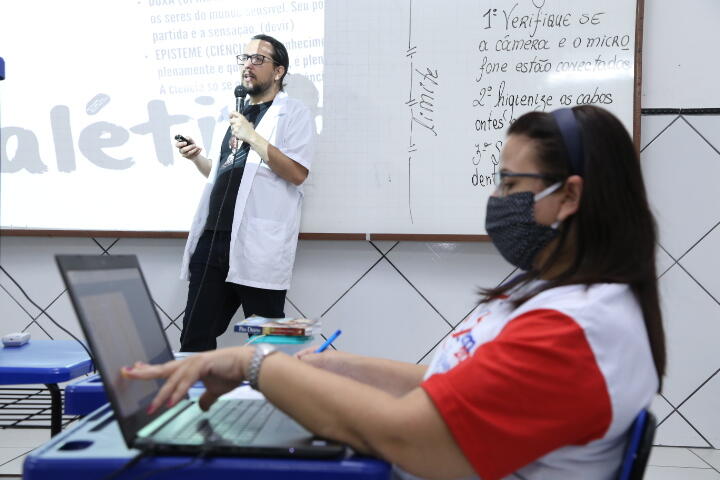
x=301 y=327
x=289 y=335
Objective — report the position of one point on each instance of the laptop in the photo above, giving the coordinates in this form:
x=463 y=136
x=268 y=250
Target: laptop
x=119 y=320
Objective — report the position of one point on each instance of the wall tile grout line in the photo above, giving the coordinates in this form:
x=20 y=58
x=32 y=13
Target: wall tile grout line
x=704 y=461
x=176 y=320
x=662 y=445
x=295 y=307
x=44 y=311
x=350 y=287
x=34 y=304
x=509 y=275
x=700 y=134
x=389 y=249
x=27 y=296
x=660 y=422
x=702 y=469
x=50 y=305
x=678 y=262
x=100 y=246
x=661 y=132
x=117 y=240
x=105 y=251
x=173 y=322
x=40 y=327
x=696 y=243
x=413 y=286
x=679 y=405
x=671 y=266
x=358 y=280
x=16 y=301
x=434 y=347
x=448 y=333
x=465 y=316
x=159 y=307
x=15 y=458
x=698 y=283
x=695 y=428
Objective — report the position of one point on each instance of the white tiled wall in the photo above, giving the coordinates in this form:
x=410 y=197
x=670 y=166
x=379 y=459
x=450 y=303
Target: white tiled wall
x=400 y=299
x=679 y=163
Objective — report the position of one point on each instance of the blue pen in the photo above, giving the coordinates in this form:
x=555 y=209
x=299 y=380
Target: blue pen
x=327 y=343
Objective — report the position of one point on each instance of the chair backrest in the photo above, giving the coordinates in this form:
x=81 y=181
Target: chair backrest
x=642 y=433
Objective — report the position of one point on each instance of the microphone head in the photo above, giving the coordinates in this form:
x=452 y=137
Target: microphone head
x=240 y=91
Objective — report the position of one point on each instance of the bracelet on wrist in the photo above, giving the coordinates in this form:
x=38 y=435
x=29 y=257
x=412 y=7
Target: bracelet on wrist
x=262 y=350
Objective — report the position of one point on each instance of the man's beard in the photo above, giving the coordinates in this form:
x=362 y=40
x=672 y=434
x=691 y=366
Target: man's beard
x=258 y=88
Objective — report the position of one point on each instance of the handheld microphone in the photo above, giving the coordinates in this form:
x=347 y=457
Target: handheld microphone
x=240 y=94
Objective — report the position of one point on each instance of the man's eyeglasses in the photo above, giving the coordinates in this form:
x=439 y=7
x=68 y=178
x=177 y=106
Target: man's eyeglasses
x=255 y=59
x=502 y=186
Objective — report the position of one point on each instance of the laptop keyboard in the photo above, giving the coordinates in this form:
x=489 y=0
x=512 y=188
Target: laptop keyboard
x=234 y=421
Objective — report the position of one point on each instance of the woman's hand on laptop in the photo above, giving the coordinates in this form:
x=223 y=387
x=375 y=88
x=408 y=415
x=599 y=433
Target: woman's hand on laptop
x=220 y=370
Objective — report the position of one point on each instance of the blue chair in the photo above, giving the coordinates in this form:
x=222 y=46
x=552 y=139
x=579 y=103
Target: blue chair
x=637 y=451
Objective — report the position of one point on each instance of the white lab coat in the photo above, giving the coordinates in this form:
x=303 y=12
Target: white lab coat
x=266 y=221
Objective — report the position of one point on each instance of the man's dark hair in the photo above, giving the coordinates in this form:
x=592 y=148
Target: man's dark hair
x=280 y=56
x=613 y=231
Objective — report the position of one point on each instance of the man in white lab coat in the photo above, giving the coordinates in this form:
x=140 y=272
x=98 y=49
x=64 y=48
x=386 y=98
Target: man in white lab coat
x=241 y=246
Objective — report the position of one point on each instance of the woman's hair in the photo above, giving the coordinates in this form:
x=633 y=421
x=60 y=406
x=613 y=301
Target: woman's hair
x=613 y=232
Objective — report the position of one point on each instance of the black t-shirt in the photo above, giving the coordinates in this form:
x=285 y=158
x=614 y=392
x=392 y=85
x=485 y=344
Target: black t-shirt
x=229 y=174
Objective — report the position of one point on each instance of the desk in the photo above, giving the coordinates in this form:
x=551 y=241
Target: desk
x=85 y=396
x=45 y=361
x=93 y=448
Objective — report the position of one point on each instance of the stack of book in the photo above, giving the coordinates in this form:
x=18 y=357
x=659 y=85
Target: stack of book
x=293 y=327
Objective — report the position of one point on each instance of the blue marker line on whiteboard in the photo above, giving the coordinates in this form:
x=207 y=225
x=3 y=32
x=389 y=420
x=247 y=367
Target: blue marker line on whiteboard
x=327 y=343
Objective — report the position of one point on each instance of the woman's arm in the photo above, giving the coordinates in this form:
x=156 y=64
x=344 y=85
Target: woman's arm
x=407 y=431
x=393 y=377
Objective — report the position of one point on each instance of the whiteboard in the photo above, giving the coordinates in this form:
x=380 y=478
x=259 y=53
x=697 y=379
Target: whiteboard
x=418 y=98
x=411 y=100
x=96 y=90
x=677 y=70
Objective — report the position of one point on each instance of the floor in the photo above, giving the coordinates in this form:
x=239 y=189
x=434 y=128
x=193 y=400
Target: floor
x=666 y=463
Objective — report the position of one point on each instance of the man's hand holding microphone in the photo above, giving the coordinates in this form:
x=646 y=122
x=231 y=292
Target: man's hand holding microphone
x=244 y=131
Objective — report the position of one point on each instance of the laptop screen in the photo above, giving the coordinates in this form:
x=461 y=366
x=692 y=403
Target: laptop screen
x=120 y=322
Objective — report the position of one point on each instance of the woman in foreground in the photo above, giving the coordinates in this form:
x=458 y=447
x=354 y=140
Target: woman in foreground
x=545 y=377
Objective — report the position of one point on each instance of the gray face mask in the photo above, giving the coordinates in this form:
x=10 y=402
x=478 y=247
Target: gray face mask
x=510 y=222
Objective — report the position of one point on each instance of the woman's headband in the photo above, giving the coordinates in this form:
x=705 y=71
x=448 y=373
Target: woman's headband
x=570 y=131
